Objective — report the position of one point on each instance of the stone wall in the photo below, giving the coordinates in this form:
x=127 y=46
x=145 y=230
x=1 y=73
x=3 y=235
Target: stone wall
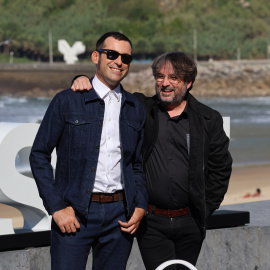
x=224 y=249
x=43 y=79
x=240 y=248
x=215 y=78
x=233 y=79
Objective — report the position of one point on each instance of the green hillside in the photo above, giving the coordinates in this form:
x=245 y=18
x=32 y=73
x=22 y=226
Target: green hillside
x=154 y=26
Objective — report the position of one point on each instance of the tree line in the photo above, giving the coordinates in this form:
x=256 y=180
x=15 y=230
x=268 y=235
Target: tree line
x=209 y=29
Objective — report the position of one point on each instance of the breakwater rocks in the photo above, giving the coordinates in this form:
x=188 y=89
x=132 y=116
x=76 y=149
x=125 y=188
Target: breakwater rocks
x=234 y=79
x=215 y=78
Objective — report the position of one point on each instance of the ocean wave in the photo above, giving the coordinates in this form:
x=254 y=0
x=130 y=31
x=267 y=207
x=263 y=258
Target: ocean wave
x=251 y=120
x=250 y=163
x=242 y=100
x=22 y=110
x=11 y=100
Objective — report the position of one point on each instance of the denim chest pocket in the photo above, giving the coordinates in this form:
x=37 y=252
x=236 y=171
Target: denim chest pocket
x=133 y=130
x=79 y=131
x=133 y=126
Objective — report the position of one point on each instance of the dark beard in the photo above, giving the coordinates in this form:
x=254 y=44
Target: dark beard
x=177 y=100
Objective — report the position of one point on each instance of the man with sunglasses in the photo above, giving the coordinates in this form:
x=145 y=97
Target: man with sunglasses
x=186 y=161
x=98 y=195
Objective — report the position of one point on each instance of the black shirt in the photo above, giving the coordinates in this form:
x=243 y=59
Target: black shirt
x=167 y=166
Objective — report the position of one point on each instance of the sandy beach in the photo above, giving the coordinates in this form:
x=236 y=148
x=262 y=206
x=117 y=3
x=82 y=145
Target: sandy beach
x=244 y=180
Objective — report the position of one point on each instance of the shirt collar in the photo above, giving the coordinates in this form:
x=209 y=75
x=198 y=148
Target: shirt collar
x=103 y=90
x=184 y=114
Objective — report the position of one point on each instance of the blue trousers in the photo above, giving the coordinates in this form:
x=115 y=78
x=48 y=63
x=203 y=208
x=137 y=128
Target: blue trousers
x=101 y=232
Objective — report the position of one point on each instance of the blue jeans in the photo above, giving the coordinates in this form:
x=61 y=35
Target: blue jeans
x=101 y=232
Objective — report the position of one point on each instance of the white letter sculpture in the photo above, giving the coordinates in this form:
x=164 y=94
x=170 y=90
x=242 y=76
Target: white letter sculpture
x=17 y=188
x=70 y=53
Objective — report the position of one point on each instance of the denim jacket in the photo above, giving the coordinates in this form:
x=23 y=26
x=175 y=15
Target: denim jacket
x=73 y=125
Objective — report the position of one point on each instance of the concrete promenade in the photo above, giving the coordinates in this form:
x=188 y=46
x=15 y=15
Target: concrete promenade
x=239 y=248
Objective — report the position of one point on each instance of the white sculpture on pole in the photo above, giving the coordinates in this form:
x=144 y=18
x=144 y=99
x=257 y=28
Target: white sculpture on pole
x=70 y=53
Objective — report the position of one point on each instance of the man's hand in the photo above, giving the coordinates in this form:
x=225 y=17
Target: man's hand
x=132 y=225
x=81 y=83
x=66 y=220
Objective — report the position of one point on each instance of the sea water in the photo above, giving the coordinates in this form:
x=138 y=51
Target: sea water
x=250 y=128
x=249 y=117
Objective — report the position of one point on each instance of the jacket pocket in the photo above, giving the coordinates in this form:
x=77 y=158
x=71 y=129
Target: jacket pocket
x=79 y=127
x=132 y=133
x=133 y=130
x=133 y=126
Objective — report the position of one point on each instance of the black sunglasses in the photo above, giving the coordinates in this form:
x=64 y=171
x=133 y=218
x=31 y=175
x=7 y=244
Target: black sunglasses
x=112 y=55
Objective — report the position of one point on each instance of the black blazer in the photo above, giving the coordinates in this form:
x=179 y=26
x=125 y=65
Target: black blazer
x=210 y=161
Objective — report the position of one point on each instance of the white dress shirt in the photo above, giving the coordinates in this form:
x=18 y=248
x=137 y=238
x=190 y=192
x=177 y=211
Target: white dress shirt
x=108 y=174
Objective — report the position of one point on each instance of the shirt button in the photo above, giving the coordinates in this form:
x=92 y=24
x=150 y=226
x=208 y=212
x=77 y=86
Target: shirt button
x=93 y=169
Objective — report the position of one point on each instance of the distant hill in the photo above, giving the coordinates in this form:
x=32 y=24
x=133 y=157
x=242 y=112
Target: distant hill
x=222 y=29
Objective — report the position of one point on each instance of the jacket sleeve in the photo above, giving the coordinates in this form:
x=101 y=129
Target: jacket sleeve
x=141 y=199
x=46 y=140
x=219 y=165
x=141 y=97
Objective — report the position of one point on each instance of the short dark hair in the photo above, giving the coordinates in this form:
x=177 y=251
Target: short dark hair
x=116 y=35
x=184 y=66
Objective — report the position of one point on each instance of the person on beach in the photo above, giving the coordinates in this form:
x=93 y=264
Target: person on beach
x=186 y=161
x=256 y=194
x=97 y=196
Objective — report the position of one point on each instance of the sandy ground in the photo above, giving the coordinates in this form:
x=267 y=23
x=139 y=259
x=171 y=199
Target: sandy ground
x=244 y=180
